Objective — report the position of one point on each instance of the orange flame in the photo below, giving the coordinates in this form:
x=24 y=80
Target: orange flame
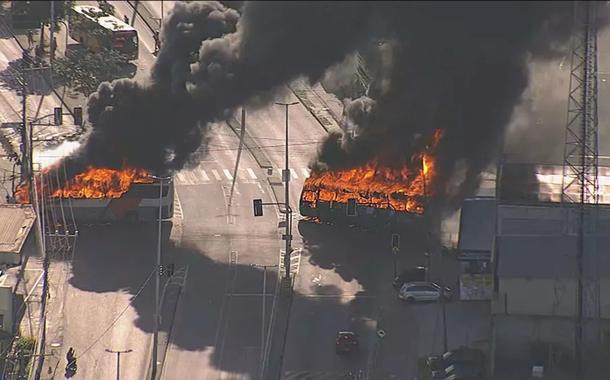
x=401 y=189
x=93 y=183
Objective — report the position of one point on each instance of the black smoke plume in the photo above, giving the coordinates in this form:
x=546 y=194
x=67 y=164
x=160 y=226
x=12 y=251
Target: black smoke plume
x=461 y=67
x=456 y=66
x=211 y=60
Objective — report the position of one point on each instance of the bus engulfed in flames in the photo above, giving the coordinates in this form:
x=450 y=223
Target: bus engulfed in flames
x=105 y=195
x=94 y=183
x=380 y=192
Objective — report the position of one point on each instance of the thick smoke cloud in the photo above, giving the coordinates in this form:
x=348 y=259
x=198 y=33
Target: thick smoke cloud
x=460 y=67
x=211 y=61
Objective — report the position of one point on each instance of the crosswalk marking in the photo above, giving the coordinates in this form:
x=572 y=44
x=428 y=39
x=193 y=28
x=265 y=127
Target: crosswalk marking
x=227 y=174
x=198 y=175
x=216 y=175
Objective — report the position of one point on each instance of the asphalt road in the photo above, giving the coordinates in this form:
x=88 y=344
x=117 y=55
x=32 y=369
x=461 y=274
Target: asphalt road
x=217 y=328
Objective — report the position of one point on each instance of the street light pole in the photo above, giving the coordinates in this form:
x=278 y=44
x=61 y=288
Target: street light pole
x=264 y=294
x=286 y=179
x=157 y=282
x=118 y=359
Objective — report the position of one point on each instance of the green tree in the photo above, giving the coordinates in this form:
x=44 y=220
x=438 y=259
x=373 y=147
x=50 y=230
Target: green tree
x=83 y=70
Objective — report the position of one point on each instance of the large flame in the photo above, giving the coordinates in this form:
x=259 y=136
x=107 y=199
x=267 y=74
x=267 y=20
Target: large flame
x=401 y=189
x=92 y=183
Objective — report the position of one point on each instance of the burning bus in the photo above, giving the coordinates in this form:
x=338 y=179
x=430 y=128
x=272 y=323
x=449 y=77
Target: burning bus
x=382 y=194
x=102 y=195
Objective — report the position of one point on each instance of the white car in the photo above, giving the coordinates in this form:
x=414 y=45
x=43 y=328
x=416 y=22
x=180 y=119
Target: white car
x=423 y=291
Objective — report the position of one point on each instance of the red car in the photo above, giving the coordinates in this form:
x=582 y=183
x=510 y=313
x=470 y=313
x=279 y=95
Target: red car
x=346 y=342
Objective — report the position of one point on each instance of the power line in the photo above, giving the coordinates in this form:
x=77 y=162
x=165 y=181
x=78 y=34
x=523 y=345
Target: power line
x=120 y=314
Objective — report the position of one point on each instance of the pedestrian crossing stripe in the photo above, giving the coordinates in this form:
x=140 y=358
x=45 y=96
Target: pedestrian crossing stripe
x=227 y=174
x=216 y=175
x=199 y=175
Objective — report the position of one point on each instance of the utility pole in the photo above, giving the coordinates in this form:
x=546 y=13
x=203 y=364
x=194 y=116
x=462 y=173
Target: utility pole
x=580 y=184
x=286 y=179
x=444 y=311
x=153 y=372
x=241 y=145
x=263 y=307
x=118 y=359
x=25 y=166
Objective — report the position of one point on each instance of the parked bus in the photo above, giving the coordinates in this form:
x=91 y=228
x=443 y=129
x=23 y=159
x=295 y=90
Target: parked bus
x=96 y=30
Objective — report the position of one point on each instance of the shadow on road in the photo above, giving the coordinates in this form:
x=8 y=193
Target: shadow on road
x=113 y=258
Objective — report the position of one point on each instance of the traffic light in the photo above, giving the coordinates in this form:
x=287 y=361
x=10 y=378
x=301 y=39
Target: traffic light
x=78 y=115
x=395 y=241
x=351 y=207
x=258 y=207
x=170 y=270
x=161 y=270
x=58 y=116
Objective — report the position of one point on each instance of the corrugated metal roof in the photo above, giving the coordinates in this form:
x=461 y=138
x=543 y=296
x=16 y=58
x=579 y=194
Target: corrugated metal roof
x=16 y=221
x=477 y=224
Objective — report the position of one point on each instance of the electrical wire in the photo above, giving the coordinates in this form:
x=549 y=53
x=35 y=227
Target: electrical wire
x=120 y=314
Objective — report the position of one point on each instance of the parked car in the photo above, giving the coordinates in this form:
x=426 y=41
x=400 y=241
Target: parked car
x=423 y=291
x=463 y=356
x=346 y=342
x=409 y=275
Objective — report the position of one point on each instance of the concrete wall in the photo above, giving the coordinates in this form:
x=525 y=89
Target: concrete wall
x=537 y=296
x=6 y=308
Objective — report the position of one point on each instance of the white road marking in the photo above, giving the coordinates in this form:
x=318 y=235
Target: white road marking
x=305 y=172
x=216 y=175
x=192 y=178
x=204 y=174
x=181 y=177
x=293 y=173
x=227 y=174
x=251 y=172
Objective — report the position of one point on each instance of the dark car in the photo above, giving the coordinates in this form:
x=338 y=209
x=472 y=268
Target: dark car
x=464 y=356
x=409 y=275
x=346 y=342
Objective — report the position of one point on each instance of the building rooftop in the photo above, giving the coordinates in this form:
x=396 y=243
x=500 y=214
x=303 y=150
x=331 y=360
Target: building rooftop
x=16 y=221
x=477 y=228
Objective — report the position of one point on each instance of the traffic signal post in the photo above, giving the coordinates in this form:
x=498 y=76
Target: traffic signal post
x=258 y=211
